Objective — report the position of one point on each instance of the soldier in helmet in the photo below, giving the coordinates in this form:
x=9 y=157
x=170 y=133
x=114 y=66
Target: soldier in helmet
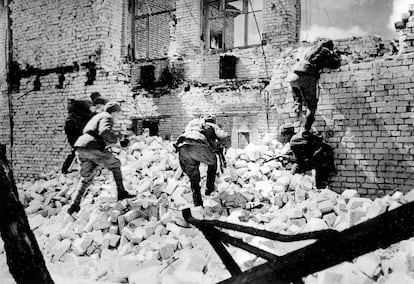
x=198 y=145
x=91 y=152
x=312 y=153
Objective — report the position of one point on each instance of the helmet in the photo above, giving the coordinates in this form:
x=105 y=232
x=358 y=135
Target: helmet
x=209 y=118
x=287 y=128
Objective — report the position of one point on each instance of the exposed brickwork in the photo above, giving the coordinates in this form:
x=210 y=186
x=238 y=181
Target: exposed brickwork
x=4 y=110
x=3 y=42
x=281 y=22
x=365 y=108
x=407 y=38
x=153 y=28
x=47 y=34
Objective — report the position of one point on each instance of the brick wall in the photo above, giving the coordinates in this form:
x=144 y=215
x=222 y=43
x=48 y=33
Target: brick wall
x=365 y=108
x=4 y=111
x=153 y=28
x=188 y=28
x=365 y=112
x=3 y=43
x=281 y=22
x=48 y=34
x=280 y=28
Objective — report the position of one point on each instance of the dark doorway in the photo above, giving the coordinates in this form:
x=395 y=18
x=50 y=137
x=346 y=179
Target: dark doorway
x=152 y=125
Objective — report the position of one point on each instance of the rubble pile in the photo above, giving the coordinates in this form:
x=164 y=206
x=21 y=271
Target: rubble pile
x=146 y=240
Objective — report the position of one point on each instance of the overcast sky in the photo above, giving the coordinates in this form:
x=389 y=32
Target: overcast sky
x=347 y=18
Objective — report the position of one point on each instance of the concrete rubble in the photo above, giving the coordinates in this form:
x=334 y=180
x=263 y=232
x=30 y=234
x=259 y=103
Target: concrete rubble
x=146 y=240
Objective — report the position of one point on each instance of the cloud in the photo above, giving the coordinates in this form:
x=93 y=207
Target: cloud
x=341 y=5
x=398 y=8
x=331 y=32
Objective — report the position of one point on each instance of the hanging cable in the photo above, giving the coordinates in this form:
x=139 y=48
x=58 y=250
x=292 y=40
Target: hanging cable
x=9 y=58
x=261 y=40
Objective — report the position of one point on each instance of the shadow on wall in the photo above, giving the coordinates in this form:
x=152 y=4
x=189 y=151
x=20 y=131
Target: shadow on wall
x=368 y=154
x=172 y=106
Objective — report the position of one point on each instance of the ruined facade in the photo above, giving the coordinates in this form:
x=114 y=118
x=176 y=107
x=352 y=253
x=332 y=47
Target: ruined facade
x=146 y=52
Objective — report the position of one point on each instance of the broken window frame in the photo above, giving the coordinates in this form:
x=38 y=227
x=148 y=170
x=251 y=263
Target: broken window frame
x=246 y=12
x=147 y=16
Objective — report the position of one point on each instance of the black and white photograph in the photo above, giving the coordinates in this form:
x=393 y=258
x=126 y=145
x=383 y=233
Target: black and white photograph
x=206 y=141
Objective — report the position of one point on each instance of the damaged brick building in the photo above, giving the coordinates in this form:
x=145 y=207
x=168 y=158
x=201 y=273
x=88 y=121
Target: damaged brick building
x=169 y=61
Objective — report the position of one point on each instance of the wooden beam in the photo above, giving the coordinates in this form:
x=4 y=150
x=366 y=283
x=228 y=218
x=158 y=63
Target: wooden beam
x=380 y=232
x=25 y=260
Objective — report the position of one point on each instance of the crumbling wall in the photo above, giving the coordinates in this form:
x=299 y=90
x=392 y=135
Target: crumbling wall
x=49 y=34
x=4 y=111
x=365 y=112
x=281 y=25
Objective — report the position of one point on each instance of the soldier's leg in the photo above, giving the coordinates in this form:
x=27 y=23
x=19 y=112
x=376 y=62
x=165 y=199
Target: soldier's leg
x=204 y=154
x=297 y=100
x=294 y=81
x=321 y=177
x=310 y=118
x=211 y=172
x=309 y=84
x=87 y=172
x=68 y=162
x=109 y=161
x=191 y=168
x=211 y=178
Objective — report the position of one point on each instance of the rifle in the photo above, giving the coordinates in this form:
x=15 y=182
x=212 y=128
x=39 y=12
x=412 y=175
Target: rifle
x=284 y=159
x=220 y=153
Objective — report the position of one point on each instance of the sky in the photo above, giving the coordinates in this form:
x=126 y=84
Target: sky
x=346 y=18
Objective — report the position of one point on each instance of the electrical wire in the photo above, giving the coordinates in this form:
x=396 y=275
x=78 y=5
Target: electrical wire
x=9 y=89
x=261 y=40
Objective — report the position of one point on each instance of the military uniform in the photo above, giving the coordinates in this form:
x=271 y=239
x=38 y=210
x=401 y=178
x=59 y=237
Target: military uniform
x=312 y=153
x=91 y=152
x=305 y=75
x=79 y=115
x=198 y=145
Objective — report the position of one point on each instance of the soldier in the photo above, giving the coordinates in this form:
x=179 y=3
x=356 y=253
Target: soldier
x=98 y=102
x=305 y=75
x=198 y=145
x=312 y=153
x=79 y=115
x=286 y=132
x=91 y=152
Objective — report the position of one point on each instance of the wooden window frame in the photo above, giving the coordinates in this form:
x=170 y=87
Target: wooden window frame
x=134 y=18
x=222 y=4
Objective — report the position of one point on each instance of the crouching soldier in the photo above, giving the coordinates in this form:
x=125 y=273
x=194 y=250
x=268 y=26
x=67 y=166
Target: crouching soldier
x=91 y=152
x=285 y=154
x=198 y=145
x=312 y=153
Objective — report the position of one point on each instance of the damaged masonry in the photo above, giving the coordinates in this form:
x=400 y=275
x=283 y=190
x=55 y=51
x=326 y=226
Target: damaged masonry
x=166 y=64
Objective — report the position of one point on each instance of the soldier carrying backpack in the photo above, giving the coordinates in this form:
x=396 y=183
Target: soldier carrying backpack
x=198 y=144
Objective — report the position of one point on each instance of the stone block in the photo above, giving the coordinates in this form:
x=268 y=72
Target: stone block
x=166 y=251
